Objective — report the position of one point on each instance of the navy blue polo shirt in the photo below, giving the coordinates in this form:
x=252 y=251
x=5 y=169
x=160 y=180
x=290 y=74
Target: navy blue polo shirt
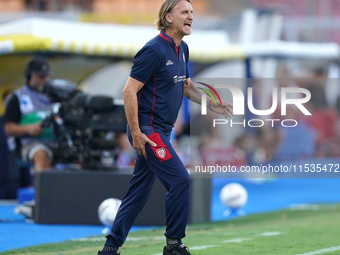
x=163 y=68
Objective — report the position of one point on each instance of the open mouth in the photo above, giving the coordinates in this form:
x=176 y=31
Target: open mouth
x=187 y=25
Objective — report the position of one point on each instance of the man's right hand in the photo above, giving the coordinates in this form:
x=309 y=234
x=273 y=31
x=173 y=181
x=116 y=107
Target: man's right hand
x=139 y=141
x=34 y=130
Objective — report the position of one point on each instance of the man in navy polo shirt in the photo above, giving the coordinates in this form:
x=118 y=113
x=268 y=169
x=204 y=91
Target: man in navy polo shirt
x=152 y=98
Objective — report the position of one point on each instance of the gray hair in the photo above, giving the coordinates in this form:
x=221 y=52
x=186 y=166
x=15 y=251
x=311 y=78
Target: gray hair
x=166 y=7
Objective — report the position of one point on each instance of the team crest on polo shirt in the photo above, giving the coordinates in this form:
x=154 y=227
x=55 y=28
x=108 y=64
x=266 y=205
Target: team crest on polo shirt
x=161 y=152
x=175 y=79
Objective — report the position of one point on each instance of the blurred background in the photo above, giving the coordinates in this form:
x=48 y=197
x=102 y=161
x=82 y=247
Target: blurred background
x=259 y=43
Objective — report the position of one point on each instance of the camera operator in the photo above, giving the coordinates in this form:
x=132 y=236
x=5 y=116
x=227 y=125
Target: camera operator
x=24 y=113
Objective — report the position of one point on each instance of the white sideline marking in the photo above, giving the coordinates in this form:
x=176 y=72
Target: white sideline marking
x=202 y=247
x=159 y=238
x=270 y=234
x=95 y=239
x=336 y=248
x=237 y=240
x=313 y=207
x=196 y=248
x=136 y=238
x=86 y=239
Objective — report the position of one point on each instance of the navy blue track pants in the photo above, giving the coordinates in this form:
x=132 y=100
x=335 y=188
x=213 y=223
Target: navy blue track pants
x=163 y=163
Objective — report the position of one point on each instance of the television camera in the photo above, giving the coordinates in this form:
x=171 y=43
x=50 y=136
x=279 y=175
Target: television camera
x=84 y=125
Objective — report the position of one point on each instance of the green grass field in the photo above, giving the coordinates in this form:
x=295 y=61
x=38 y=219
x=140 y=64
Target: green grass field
x=315 y=230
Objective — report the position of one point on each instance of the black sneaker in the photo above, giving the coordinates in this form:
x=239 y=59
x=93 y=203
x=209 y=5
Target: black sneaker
x=180 y=250
x=116 y=253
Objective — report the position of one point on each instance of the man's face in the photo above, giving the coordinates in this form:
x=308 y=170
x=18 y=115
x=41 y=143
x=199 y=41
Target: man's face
x=37 y=82
x=182 y=18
